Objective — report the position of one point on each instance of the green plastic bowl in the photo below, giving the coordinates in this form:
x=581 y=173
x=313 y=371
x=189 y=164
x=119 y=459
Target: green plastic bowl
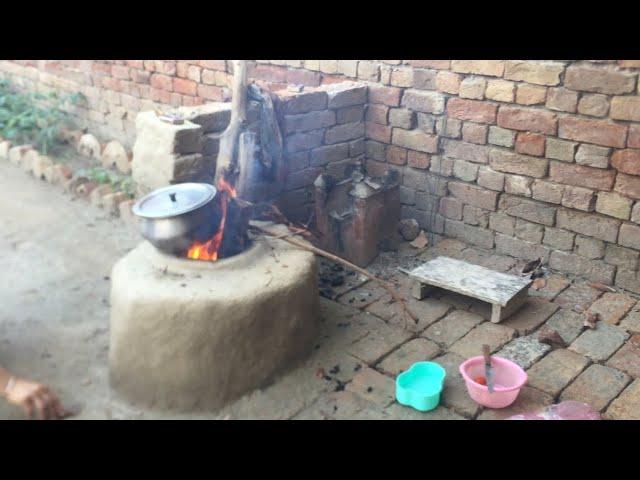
x=420 y=386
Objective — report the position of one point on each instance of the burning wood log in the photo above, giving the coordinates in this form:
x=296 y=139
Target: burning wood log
x=235 y=239
x=251 y=171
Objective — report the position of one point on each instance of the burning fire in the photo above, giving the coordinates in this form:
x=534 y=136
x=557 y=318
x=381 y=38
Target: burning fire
x=209 y=249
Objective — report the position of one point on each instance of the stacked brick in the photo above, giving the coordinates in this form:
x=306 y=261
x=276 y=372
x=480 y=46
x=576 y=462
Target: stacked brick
x=165 y=153
x=324 y=131
x=116 y=90
x=530 y=158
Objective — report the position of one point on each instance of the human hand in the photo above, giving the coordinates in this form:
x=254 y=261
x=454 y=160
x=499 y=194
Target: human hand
x=36 y=400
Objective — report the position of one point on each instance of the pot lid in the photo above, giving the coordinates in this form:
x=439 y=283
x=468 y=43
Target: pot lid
x=174 y=200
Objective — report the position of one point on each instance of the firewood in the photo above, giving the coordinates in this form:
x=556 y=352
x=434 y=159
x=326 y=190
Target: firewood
x=602 y=287
x=323 y=253
x=227 y=156
x=250 y=183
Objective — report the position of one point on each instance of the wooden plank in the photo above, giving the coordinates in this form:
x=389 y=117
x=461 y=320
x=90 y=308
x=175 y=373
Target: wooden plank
x=471 y=280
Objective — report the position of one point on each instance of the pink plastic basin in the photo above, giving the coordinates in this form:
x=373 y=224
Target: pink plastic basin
x=508 y=379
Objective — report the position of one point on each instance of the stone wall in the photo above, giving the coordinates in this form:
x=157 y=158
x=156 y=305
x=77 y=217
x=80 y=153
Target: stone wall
x=530 y=158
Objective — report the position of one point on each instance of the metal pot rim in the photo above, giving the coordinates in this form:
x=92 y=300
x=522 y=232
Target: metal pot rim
x=208 y=190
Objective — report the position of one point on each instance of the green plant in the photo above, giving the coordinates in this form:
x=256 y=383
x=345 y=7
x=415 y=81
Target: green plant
x=128 y=186
x=34 y=117
x=118 y=181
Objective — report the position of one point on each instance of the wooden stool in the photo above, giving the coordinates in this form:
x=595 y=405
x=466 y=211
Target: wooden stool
x=506 y=293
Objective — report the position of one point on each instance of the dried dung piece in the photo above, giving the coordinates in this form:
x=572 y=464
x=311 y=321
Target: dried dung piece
x=590 y=319
x=539 y=283
x=551 y=337
x=421 y=241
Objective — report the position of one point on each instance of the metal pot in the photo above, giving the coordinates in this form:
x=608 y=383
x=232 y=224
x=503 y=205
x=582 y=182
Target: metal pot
x=173 y=218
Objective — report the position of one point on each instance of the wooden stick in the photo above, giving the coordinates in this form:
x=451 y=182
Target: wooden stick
x=293 y=241
x=229 y=139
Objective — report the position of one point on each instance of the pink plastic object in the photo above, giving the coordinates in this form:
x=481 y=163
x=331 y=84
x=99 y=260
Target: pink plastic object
x=569 y=410
x=508 y=380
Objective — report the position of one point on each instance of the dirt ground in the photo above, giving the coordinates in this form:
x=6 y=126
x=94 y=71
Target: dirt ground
x=55 y=260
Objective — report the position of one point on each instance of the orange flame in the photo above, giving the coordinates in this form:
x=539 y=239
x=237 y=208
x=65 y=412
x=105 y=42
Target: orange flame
x=208 y=250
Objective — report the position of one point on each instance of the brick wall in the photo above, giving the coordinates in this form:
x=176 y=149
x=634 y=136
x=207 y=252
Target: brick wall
x=530 y=158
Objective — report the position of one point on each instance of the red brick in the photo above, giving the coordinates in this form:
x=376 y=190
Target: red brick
x=182 y=69
x=377 y=113
x=120 y=71
x=126 y=86
x=191 y=101
x=270 y=73
x=328 y=79
x=194 y=73
x=474 y=133
x=176 y=99
x=473 y=195
x=100 y=69
x=437 y=64
x=163 y=82
x=634 y=136
x=377 y=132
x=473 y=110
x=111 y=83
x=396 y=155
x=303 y=77
x=599 y=132
x=597 y=79
x=168 y=67
x=581 y=176
x=140 y=76
x=162 y=96
x=579 y=198
x=385 y=95
x=136 y=64
x=214 y=64
x=494 y=68
x=629 y=63
x=184 y=86
x=213 y=77
x=415 y=140
x=530 y=143
x=625 y=108
x=210 y=92
x=627 y=161
x=448 y=82
x=418 y=159
x=628 y=185
x=140 y=91
x=529 y=119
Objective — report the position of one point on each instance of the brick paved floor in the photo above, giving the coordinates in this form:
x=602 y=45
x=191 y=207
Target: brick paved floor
x=373 y=345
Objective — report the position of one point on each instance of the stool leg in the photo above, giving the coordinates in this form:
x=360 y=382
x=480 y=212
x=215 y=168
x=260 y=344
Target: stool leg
x=499 y=313
x=421 y=290
x=496 y=313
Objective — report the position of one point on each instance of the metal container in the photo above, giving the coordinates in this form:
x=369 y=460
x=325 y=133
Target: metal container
x=173 y=218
